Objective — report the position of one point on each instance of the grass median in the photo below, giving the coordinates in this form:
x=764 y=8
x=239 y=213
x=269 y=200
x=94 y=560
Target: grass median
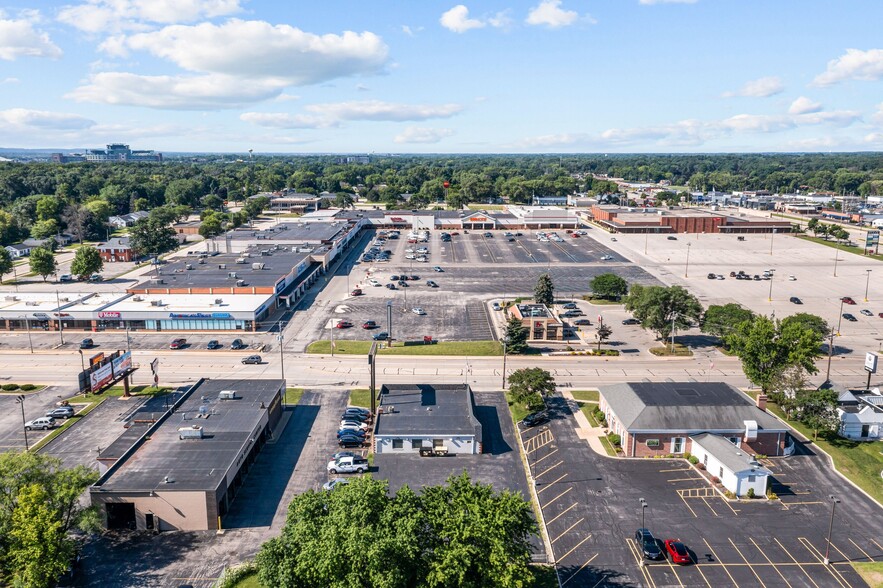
x=840 y=246
x=360 y=397
x=871 y=572
x=585 y=395
x=471 y=348
x=292 y=395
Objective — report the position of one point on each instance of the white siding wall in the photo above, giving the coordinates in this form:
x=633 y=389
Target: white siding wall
x=464 y=445
x=738 y=484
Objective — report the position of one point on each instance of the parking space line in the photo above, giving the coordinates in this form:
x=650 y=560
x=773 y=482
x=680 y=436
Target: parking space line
x=638 y=558
x=705 y=500
x=766 y=557
x=718 y=560
x=581 y=568
x=831 y=569
x=860 y=549
x=560 y=514
x=684 y=480
x=567 y=530
x=548 y=469
x=698 y=568
x=688 y=506
x=550 y=484
x=553 y=452
x=556 y=498
x=802 y=569
x=745 y=559
x=880 y=547
x=676 y=470
x=674 y=571
x=572 y=549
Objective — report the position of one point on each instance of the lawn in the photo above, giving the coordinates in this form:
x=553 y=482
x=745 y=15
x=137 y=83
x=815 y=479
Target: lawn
x=602 y=301
x=587 y=410
x=585 y=395
x=860 y=462
x=666 y=351
x=360 y=397
x=479 y=206
x=292 y=395
x=871 y=572
x=840 y=246
x=608 y=447
x=473 y=348
x=518 y=410
x=250 y=581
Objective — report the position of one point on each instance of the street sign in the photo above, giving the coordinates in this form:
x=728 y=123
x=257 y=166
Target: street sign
x=871 y=363
x=873 y=238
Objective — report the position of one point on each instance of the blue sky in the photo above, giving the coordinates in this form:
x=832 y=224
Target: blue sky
x=423 y=76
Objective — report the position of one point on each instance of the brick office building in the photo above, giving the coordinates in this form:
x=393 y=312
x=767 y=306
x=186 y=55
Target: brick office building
x=659 y=418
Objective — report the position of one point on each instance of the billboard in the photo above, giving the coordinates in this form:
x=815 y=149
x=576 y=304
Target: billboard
x=96 y=359
x=872 y=239
x=101 y=376
x=871 y=363
x=122 y=364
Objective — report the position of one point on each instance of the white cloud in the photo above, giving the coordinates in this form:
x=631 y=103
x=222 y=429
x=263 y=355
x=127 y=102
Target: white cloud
x=422 y=135
x=855 y=64
x=457 y=20
x=283 y=97
x=19 y=38
x=101 y=16
x=411 y=31
x=174 y=92
x=283 y=120
x=873 y=138
x=804 y=105
x=22 y=119
x=759 y=88
x=11 y=80
x=550 y=141
x=377 y=110
x=878 y=116
x=650 y=2
x=550 y=14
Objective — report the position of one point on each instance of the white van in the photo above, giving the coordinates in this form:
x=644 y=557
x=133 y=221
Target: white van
x=373 y=282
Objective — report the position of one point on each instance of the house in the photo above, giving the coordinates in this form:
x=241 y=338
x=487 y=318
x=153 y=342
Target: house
x=116 y=249
x=18 y=250
x=187 y=227
x=660 y=418
x=127 y=220
x=861 y=414
x=412 y=417
x=738 y=471
x=540 y=322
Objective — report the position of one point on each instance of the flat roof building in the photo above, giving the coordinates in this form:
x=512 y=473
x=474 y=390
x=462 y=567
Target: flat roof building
x=412 y=417
x=682 y=220
x=183 y=472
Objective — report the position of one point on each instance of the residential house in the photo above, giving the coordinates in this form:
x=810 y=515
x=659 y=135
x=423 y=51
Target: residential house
x=116 y=249
x=861 y=414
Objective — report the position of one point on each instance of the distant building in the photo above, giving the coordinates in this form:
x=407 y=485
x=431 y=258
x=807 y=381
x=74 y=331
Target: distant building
x=540 y=323
x=620 y=219
x=861 y=415
x=117 y=249
x=291 y=201
x=549 y=200
x=187 y=228
x=127 y=220
x=114 y=152
x=18 y=250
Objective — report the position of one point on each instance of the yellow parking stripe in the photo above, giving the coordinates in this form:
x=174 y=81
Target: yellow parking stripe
x=688 y=506
x=763 y=553
x=674 y=571
x=638 y=557
x=551 y=453
x=567 y=530
x=572 y=506
x=788 y=553
x=550 y=484
x=705 y=500
x=833 y=571
x=860 y=549
x=588 y=561
x=745 y=559
x=589 y=536
x=717 y=559
x=556 y=498
x=549 y=469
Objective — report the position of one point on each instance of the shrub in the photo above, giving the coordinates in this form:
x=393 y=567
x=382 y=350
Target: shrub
x=687 y=455
x=230 y=577
x=28 y=387
x=701 y=466
x=729 y=494
x=9 y=387
x=772 y=495
x=693 y=459
x=715 y=480
x=614 y=439
x=750 y=493
x=569 y=348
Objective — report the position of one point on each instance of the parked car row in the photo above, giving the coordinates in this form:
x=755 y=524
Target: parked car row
x=355 y=426
x=181 y=343
x=655 y=549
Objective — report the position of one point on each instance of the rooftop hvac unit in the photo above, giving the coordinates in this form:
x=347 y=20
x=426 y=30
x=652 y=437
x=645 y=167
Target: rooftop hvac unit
x=11 y=298
x=137 y=299
x=219 y=301
x=227 y=395
x=189 y=266
x=257 y=266
x=222 y=266
x=191 y=432
x=156 y=303
x=32 y=303
x=156 y=280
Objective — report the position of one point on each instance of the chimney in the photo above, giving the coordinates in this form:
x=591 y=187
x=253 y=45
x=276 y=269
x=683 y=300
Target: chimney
x=761 y=401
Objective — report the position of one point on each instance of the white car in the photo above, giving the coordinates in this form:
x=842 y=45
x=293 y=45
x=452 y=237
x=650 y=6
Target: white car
x=423 y=250
x=422 y=258
x=419 y=311
x=410 y=256
x=409 y=250
x=792 y=278
x=606 y=257
x=44 y=423
x=345 y=465
x=345 y=424
x=332 y=484
x=373 y=282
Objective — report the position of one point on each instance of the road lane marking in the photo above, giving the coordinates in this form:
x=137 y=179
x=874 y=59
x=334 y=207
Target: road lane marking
x=550 y=484
x=717 y=559
x=589 y=536
x=581 y=568
x=567 y=530
x=763 y=553
x=572 y=506
x=745 y=559
x=556 y=498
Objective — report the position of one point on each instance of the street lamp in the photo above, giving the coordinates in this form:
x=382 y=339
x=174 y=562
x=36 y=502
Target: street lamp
x=687 y=266
x=840 y=318
x=770 y=298
x=867 y=284
x=82 y=362
x=644 y=506
x=21 y=400
x=28 y=327
x=60 y=320
x=834 y=500
x=505 y=341
x=773 y=234
x=830 y=355
x=836 y=259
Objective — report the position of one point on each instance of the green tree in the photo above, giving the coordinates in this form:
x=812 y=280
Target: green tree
x=809 y=321
x=516 y=335
x=767 y=347
x=602 y=333
x=660 y=309
x=343 y=200
x=39 y=549
x=212 y=225
x=87 y=261
x=150 y=237
x=186 y=192
x=529 y=386
x=817 y=409
x=544 y=291
x=43 y=262
x=44 y=229
x=5 y=263
x=255 y=206
x=49 y=208
x=719 y=320
x=609 y=286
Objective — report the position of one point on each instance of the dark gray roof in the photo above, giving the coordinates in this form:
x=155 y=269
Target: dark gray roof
x=292 y=233
x=732 y=458
x=425 y=409
x=116 y=243
x=685 y=406
x=197 y=464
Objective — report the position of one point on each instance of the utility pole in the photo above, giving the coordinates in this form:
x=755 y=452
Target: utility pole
x=687 y=266
x=867 y=284
x=830 y=355
x=28 y=327
x=21 y=400
x=58 y=314
x=505 y=341
x=834 y=501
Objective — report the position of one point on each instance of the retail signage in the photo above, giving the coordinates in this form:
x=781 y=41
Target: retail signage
x=41 y=315
x=397 y=219
x=108 y=314
x=101 y=376
x=200 y=315
x=96 y=359
x=873 y=238
x=122 y=364
x=871 y=363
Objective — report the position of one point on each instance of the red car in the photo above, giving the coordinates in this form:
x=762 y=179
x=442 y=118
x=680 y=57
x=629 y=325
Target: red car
x=177 y=343
x=848 y=300
x=575 y=235
x=343 y=325
x=677 y=552
x=356 y=292
x=369 y=325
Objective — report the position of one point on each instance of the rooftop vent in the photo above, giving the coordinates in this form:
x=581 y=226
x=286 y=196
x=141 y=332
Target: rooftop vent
x=227 y=395
x=156 y=303
x=191 y=432
x=219 y=301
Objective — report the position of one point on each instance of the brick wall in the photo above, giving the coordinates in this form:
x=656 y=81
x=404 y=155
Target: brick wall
x=766 y=444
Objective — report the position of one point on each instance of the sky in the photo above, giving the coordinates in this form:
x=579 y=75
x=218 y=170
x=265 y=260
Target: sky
x=424 y=76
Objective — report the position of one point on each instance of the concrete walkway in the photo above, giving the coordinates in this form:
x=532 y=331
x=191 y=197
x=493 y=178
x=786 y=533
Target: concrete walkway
x=584 y=429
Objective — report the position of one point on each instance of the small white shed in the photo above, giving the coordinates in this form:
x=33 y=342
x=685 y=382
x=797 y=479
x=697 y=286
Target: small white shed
x=737 y=470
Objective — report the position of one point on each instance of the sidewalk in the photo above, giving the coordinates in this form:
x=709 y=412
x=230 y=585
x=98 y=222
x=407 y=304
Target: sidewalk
x=585 y=430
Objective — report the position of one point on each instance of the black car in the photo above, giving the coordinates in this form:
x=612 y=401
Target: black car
x=403 y=284
x=431 y=284
x=391 y=286
x=381 y=336
x=252 y=359
x=535 y=418
x=712 y=276
x=347 y=432
x=796 y=300
x=671 y=238
x=582 y=322
x=394 y=278
x=87 y=344
x=213 y=344
x=851 y=318
x=569 y=306
x=350 y=441
x=631 y=321
x=648 y=544
x=358 y=416
x=237 y=344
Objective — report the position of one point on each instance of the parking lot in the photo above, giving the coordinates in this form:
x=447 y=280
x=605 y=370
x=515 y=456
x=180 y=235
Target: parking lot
x=591 y=507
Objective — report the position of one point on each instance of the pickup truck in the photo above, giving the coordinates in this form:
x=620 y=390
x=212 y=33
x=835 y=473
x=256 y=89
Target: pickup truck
x=347 y=465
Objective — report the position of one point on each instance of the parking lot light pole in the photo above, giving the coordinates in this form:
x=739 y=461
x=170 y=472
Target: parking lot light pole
x=773 y=234
x=840 y=318
x=644 y=506
x=836 y=259
x=687 y=266
x=21 y=400
x=834 y=501
x=281 y=340
x=830 y=355
x=60 y=321
x=82 y=362
x=28 y=328
x=505 y=341
x=867 y=284
x=770 y=297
